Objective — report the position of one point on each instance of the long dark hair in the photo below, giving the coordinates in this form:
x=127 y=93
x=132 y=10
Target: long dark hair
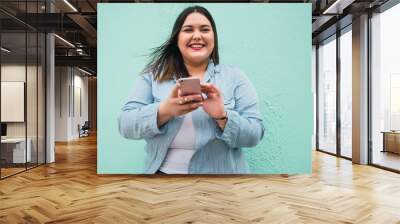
x=166 y=60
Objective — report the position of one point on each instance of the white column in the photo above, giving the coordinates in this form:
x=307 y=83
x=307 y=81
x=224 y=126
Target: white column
x=360 y=90
x=50 y=110
x=50 y=92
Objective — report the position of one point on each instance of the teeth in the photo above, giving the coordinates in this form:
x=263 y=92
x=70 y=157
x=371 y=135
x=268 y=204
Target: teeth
x=196 y=45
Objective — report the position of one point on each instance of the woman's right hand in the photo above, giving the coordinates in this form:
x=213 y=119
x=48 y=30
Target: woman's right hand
x=176 y=105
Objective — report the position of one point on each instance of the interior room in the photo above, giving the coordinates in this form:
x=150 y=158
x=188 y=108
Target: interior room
x=49 y=141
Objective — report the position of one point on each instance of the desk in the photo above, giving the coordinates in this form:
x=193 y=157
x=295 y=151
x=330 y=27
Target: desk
x=391 y=141
x=15 y=148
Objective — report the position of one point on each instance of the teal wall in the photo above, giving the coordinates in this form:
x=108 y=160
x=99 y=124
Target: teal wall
x=271 y=43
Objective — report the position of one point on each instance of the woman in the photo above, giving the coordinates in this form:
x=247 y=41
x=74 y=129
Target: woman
x=192 y=134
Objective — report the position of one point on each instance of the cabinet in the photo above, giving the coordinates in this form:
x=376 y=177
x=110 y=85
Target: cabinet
x=13 y=150
x=391 y=141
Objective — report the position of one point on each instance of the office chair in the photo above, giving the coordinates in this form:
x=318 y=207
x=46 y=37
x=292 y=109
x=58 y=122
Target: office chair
x=84 y=130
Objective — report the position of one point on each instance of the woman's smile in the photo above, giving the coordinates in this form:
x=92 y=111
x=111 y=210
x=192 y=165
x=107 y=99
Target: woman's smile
x=196 y=46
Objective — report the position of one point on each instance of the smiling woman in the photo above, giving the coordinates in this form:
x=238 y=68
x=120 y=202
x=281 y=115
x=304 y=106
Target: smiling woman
x=193 y=41
x=197 y=133
x=196 y=40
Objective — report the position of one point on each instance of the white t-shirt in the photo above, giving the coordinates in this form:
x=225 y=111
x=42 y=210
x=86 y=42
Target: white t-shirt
x=181 y=149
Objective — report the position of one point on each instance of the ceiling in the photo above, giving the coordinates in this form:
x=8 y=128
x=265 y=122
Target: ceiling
x=76 y=22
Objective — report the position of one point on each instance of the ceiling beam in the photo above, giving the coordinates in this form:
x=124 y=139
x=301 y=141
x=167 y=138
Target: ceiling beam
x=84 y=61
x=85 y=25
x=337 y=7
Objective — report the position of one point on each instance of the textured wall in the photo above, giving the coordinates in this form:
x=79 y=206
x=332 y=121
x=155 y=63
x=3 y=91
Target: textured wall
x=271 y=43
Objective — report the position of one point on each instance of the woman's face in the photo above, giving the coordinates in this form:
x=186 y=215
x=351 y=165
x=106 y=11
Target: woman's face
x=196 y=39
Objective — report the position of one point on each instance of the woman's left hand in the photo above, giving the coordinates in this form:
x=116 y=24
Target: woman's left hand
x=214 y=104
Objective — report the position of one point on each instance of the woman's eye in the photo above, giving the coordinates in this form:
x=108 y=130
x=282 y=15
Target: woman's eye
x=205 y=30
x=187 y=30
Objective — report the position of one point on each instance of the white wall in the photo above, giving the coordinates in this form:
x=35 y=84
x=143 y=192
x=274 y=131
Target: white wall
x=71 y=93
x=11 y=73
x=61 y=103
x=15 y=72
x=33 y=127
x=80 y=103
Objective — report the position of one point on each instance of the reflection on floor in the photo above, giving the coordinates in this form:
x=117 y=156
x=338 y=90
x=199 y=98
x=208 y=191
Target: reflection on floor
x=11 y=169
x=387 y=159
x=347 y=152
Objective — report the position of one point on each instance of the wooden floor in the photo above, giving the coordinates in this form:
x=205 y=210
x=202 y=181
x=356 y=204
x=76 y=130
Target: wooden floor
x=5 y=172
x=70 y=191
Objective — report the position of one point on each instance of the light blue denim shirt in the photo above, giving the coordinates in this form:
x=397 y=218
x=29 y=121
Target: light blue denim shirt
x=217 y=151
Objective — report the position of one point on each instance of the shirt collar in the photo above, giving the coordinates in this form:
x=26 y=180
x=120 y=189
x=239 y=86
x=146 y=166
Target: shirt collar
x=211 y=70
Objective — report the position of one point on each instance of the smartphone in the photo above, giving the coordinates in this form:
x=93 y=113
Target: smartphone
x=189 y=86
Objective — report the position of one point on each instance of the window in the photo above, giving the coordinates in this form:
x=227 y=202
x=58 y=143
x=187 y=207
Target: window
x=385 y=88
x=346 y=93
x=327 y=96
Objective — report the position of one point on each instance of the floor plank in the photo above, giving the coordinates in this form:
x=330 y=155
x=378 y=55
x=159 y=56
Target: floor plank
x=70 y=191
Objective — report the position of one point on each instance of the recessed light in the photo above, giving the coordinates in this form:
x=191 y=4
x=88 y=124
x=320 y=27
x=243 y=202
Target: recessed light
x=71 y=6
x=64 y=40
x=84 y=71
x=5 y=50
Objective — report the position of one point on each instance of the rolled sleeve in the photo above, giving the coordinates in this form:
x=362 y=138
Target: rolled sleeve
x=231 y=128
x=240 y=131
